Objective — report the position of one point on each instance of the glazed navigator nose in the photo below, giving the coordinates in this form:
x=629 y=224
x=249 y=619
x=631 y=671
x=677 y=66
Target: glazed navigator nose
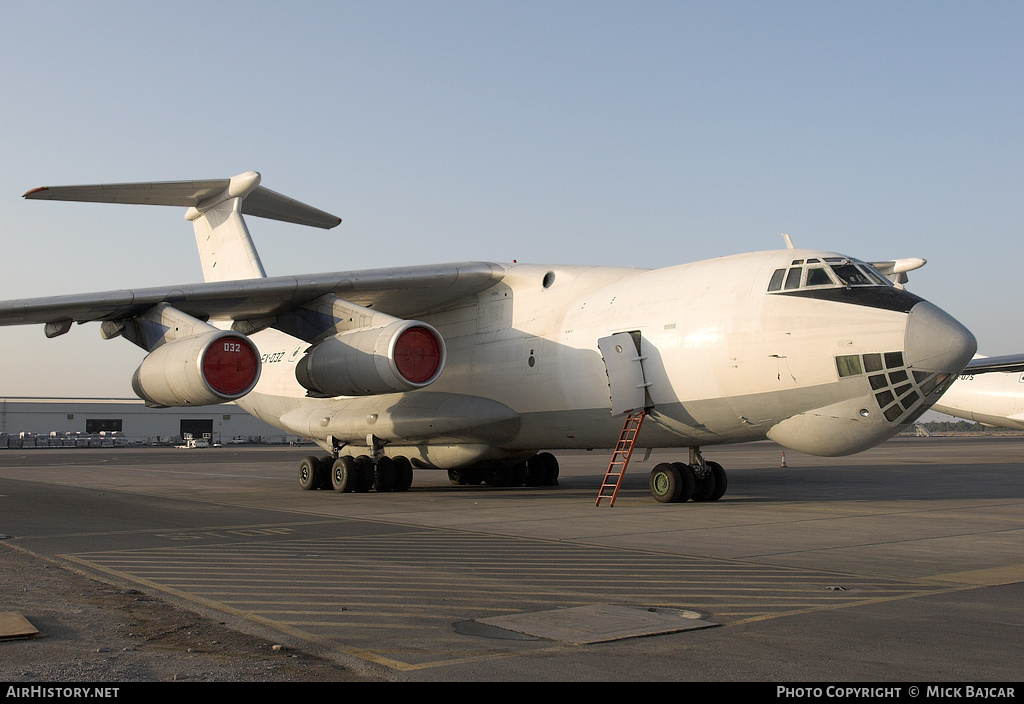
x=936 y=342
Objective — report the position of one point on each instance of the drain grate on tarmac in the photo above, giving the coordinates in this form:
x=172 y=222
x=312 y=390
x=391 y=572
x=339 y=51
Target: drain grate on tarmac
x=599 y=623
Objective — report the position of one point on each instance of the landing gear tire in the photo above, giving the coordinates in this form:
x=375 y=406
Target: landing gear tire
x=688 y=479
x=519 y=474
x=498 y=476
x=384 y=475
x=721 y=481
x=666 y=483
x=705 y=487
x=310 y=473
x=364 y=474
x=344 y=474
x=403 y=473
x=464 y=476
x=712 y=487
x=542 y=470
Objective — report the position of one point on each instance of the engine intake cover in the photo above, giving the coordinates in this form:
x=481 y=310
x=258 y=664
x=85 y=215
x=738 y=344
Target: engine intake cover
x=199 y=370
x=402 y=356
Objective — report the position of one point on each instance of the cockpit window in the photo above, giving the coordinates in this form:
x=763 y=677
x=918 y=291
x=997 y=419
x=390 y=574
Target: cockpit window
x=875 y=275
x=817 y=276
x=851 y=275
x=833 y=272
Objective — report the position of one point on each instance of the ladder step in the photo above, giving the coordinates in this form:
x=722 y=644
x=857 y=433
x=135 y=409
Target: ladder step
x=624 y=448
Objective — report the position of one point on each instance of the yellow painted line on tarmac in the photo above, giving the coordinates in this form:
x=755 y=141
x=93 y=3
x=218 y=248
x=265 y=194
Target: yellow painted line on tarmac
x=834 y=607
x=956 y=581
x=359 y=653
x=991 y=577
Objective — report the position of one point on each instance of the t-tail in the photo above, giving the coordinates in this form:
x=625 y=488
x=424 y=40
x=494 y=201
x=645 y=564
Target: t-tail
x=215 y=208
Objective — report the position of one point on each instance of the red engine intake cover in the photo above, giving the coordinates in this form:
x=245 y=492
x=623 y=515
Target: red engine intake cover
x=417 y=355
x=230 y=365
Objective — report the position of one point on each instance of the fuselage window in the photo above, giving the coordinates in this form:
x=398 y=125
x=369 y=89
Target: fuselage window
x=884 y=398
x=909 y=400
x=895 y=390
x=848 y=365
x=898 y=376
x=873 y=362
x=931 y=384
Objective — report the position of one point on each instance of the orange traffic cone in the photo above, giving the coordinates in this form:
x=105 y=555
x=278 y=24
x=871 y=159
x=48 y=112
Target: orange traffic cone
x=783 y=458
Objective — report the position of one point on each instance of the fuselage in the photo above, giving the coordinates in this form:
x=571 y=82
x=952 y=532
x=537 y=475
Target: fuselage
x=994 y=399
x=810 y=349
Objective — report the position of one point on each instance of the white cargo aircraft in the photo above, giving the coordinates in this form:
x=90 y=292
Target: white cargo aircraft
x=993 y=399
x=476 y=367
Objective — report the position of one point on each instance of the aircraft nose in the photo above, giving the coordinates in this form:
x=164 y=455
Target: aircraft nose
x=935 y=341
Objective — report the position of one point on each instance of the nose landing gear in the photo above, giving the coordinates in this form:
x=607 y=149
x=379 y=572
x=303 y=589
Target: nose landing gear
x=700 y=480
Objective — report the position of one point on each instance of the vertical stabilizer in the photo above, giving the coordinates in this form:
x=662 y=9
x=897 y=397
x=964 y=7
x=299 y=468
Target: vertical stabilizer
x=226 y=250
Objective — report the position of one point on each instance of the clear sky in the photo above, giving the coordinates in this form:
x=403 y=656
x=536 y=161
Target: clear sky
x=591 y=132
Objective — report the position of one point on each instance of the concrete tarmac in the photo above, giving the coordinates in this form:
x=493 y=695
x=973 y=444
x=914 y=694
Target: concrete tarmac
x=903 y=564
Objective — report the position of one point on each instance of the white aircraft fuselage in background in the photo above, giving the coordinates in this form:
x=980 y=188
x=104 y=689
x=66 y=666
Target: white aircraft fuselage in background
x=814 y=350
x=996 y=400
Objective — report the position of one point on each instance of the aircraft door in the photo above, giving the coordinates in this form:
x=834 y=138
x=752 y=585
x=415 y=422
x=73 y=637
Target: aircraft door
x=624 y=364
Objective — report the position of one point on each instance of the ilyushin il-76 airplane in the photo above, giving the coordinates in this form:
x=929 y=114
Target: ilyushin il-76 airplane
x=483 y=369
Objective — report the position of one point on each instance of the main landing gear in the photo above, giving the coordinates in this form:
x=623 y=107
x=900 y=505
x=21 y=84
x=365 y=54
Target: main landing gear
x=700 y=480
x=360 y=474
x=539 y=470
x=356 y=474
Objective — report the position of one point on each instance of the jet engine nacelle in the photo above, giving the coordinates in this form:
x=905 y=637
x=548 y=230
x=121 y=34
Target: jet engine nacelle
x=199 y=370
x=402 y=356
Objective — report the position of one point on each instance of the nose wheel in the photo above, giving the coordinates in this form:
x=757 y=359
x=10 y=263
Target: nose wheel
x=678 y=482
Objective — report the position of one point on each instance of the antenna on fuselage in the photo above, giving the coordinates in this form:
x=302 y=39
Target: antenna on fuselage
x=789 y=242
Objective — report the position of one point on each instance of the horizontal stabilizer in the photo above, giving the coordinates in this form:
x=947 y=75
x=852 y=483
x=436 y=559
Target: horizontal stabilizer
x=260 y=202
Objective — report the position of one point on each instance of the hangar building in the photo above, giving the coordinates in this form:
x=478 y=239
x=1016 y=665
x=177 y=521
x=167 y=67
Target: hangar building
x=59 y=421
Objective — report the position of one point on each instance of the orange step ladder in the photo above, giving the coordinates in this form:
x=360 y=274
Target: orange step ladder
x=620 y=458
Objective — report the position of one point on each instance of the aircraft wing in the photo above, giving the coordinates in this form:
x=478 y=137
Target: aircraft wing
x=401 y=292
x=1006 y=363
